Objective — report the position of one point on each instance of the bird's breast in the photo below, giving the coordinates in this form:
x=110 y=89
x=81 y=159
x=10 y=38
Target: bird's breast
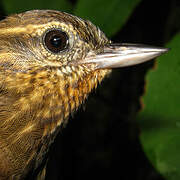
x=41 y=101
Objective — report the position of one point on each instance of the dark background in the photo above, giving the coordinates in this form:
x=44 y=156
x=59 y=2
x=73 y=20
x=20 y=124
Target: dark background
x=102 y=139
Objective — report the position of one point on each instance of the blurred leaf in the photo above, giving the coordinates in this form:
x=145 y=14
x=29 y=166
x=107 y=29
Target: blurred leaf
x=12 y=6
x=110 y=16
x=160 y=120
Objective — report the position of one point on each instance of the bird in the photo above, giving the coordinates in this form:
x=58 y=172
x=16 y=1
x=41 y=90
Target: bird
x=49 y=62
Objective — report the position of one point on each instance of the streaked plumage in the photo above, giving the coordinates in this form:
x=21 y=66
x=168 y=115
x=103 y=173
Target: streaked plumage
x=39 y=89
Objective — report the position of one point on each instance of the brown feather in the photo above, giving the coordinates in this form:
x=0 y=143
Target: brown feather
x=39 y=90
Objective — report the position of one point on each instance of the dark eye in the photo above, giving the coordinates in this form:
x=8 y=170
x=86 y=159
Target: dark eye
x=55 y=40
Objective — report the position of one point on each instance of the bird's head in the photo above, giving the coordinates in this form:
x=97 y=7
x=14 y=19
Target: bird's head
x=42 y=38
x=49 y=62
x=47 y=38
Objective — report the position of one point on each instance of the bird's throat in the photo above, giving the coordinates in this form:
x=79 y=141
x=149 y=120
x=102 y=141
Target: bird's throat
x=41 y=101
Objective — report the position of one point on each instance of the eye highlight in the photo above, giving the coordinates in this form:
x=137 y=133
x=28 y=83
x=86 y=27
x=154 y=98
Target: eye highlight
x=55 y=40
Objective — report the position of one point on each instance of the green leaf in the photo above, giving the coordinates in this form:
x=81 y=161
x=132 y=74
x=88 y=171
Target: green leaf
x=21 y=5
x=160 y=120
x=110 y=16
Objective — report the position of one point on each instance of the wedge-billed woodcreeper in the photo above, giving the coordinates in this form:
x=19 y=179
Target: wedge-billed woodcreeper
x=49 y=62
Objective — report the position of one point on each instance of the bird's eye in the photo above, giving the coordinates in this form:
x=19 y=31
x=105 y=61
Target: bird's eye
x=55 y=40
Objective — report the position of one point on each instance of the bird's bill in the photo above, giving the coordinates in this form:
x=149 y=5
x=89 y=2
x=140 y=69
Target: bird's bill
x=122 y=55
